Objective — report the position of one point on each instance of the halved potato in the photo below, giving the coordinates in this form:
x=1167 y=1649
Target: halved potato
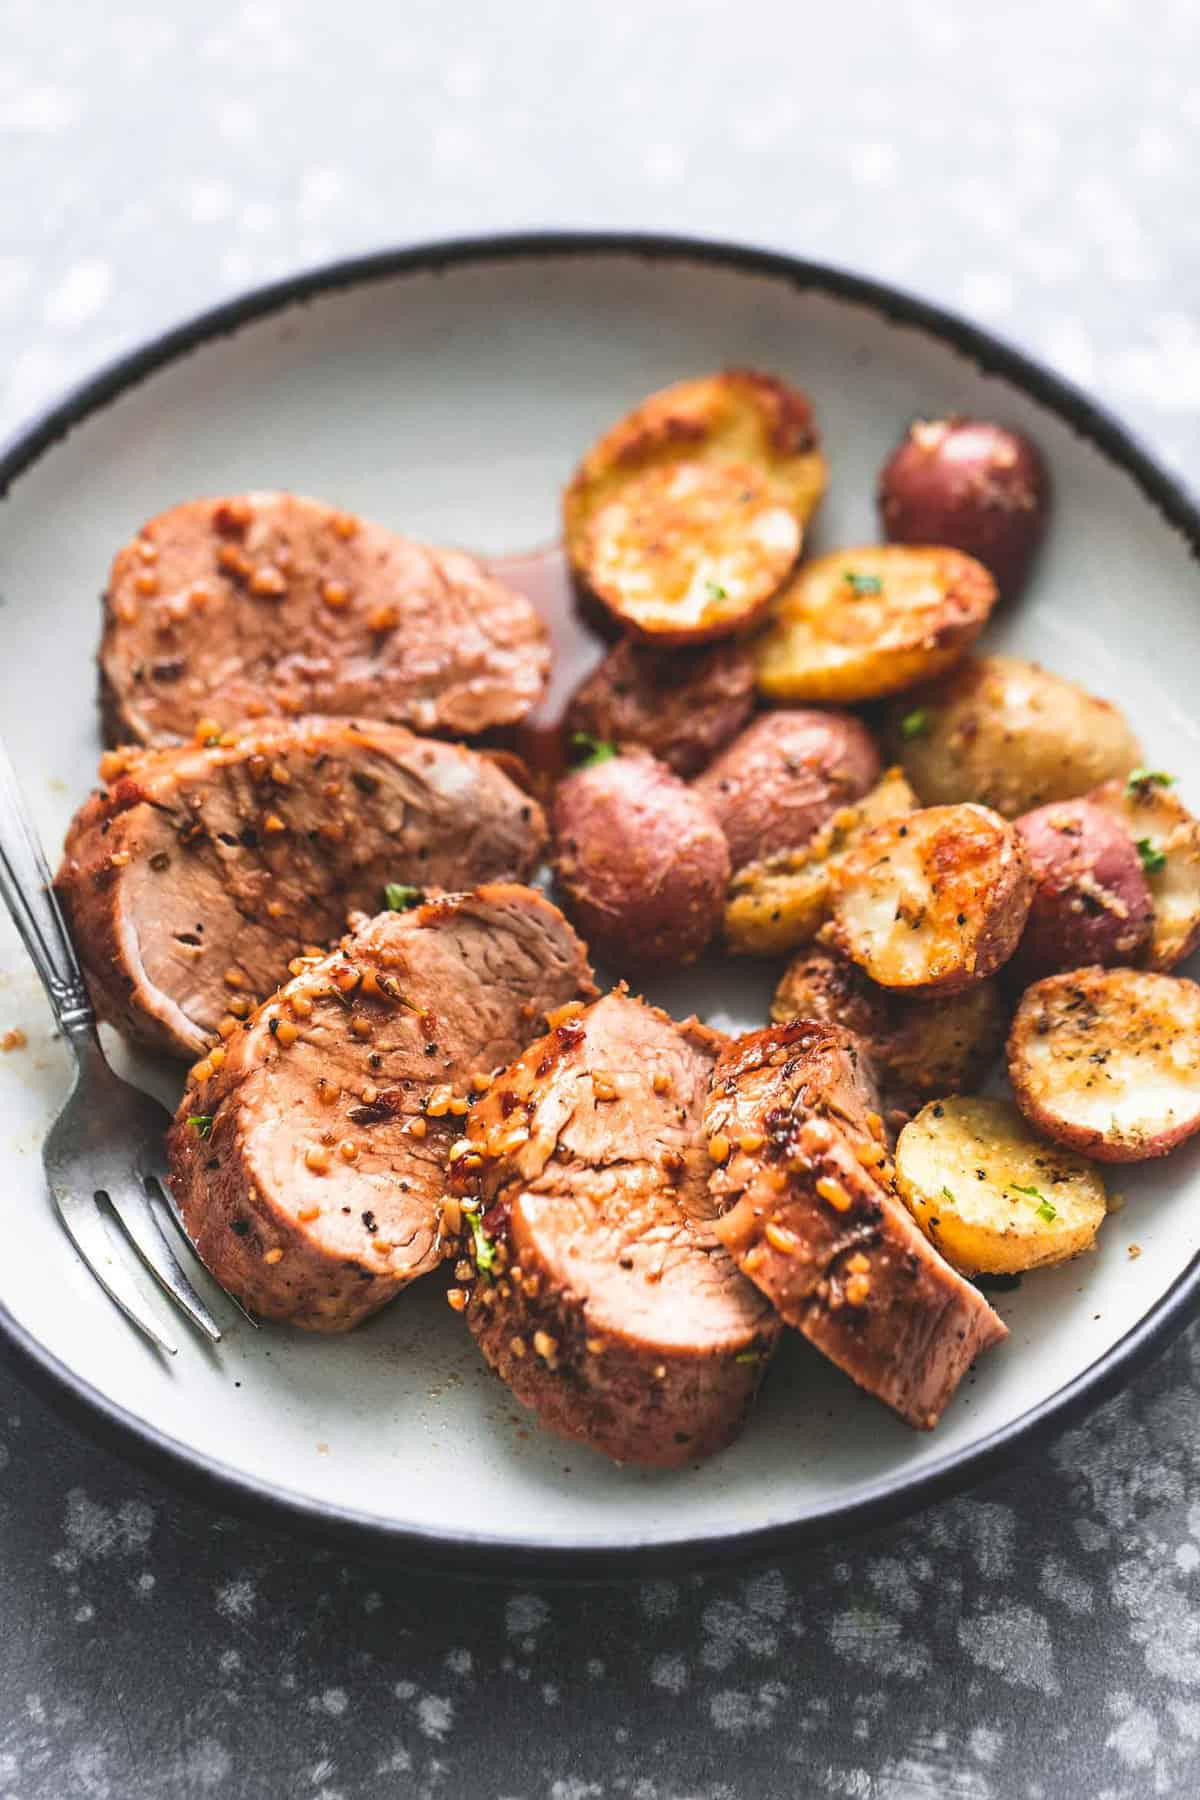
x=736 y=415
x=935 y=900
x=991 y=1197
x=690 y=550
x=1168 y=841
x=919 y=1048
x=1108 y=1061
x=781 y=903
x=871 y=621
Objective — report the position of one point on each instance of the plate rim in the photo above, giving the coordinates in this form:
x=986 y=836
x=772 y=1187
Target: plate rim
x=456 y=1550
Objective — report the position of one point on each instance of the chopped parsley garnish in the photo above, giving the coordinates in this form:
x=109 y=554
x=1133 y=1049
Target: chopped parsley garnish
x=589 y=749
x=212 y=740
x=399 y=897
x=915 y=724
x=716 y=591
x=485 y=1249
x=1144 y=778
x=949 y=1195
x=1046 y=1209
x=748 y=1356
x=862 y=584
x=201 y=1124
x=1152 y=860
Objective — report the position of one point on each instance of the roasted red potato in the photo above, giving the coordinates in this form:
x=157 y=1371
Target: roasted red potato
x=1108 y=1061
x=640 y=859
x=784 y=777
x=966 y=482
x=783 y=901
x=933 y=901
x=1092 y=903
x=919 y=1048
x=690 y=551
x=1166 y=839
x=1009 y=735
x=871 y=621
x=734 y=416
x=681 y=705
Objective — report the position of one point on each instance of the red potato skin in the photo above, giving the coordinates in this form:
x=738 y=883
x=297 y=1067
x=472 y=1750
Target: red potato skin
x=640 y=859
x=681 y=705
x=979 y=487
x=1092 y=903
x=788 y=772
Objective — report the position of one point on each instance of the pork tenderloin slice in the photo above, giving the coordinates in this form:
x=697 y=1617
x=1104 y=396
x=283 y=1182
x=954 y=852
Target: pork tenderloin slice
x=602 y=1296
x=273 y=604
x=810 y=1211
x=199 y=871
x=309 y=1166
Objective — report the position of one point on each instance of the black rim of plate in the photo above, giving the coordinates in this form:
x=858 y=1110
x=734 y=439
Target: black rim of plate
x=479 y=1553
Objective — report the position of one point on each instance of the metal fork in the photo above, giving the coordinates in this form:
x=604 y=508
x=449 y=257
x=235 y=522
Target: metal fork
x=107 y=1145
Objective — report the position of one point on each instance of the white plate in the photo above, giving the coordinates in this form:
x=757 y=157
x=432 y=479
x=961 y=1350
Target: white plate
x=448 y=392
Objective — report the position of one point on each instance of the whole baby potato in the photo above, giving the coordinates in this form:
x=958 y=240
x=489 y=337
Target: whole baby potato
x=641 y=861
x=974 y=485
x=784 y=776
x=1010 y=735
x=1092 y=901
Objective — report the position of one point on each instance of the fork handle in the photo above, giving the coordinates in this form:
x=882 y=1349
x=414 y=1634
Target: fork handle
x=28 y=892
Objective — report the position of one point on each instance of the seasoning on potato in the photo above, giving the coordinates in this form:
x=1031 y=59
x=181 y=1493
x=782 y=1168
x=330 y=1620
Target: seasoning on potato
x=919 y=1048
x=1166 y=840
x=991 y=1196
x=933 y=901
x=1108 y=1061
x=641 y=861
x=690 y=551
x=682 y=705
x=1009 y=735
x=733 y=416
x=866 y=622
x=977 y=486
x=1092 y=902
x=783 y=901
x=785 y=776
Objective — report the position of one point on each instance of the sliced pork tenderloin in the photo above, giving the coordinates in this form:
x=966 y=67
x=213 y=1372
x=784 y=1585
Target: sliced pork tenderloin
x=809 y=1209
x=308 y=1154
x=601 y=1295
x=195 y=875
x=269 y=604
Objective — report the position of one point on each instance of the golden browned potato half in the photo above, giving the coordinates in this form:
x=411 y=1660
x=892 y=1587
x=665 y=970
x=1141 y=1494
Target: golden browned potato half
x=1010 y=735
x=933 y=901
x=1108 y=1061
x=1167 y=839
x=919 y=1048
x=991 y=1196
x=871 y=621
x=734 y=416
x=782 y=902
x=690 y=551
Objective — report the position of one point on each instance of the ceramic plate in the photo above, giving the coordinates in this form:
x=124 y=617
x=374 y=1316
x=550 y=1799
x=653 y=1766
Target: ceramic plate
x=448 y=392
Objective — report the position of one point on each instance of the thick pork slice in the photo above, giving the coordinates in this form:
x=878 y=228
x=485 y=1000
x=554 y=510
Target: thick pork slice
x=601 y=1295
x=308 y=1155
x=193 y=878
x=268 y=604
x=813 y=1218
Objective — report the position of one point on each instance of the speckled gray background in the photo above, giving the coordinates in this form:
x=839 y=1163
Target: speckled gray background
x=1032 y=163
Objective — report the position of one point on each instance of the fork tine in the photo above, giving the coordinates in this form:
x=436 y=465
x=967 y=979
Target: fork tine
x=162 y=1200
x=84 y=1226
x=132 y=1207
